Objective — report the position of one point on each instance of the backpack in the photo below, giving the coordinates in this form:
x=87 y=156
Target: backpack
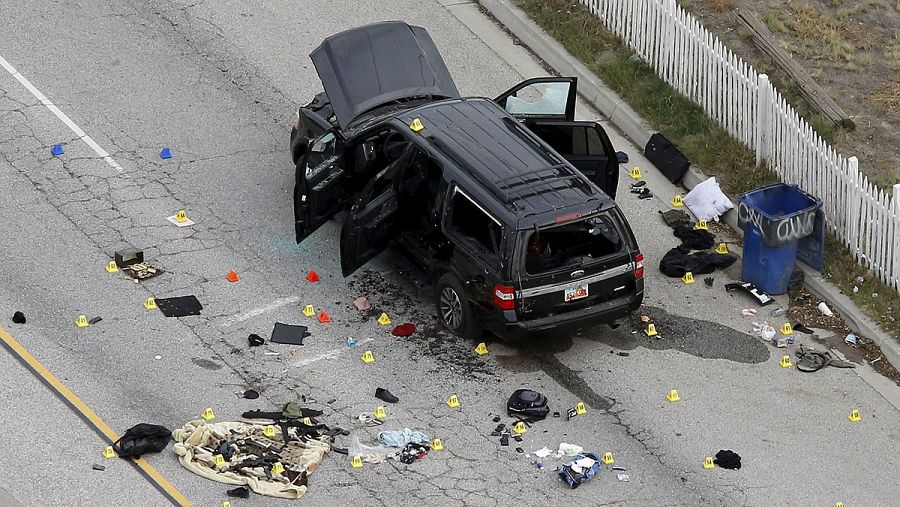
x=141 y=439
x=527 y=404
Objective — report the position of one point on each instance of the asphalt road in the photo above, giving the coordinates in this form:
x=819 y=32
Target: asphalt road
x=219 y=83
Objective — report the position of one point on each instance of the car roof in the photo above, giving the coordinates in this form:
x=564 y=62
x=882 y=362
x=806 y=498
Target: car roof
x=509 y=165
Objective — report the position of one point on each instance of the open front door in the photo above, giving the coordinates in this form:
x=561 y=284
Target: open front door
x=372 y=220
x=546 y=98
x=586 y=146
x=319 y=186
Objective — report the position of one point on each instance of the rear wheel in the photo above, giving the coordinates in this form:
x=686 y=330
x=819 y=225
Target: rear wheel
x=454 y=309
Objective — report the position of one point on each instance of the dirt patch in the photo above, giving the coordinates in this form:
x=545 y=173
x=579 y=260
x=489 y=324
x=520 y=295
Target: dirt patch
x=804 y=309
x=850 y=48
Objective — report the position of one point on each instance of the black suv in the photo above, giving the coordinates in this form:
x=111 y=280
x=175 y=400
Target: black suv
x=505 y=202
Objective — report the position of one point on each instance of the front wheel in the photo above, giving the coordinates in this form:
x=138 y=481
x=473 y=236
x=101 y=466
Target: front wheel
x=454 y=309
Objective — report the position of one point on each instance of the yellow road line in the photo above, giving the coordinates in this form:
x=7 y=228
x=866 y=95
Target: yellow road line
x=89 y=416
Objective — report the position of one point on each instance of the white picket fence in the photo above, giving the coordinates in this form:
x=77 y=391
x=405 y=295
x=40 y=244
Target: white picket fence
x=694 y=62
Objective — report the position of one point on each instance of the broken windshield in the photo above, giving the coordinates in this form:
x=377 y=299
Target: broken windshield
x=571 y=245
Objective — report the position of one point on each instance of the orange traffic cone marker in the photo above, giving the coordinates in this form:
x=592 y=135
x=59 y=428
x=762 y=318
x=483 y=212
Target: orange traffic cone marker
x=324 y=318
x=232 y=276
x=312 y=276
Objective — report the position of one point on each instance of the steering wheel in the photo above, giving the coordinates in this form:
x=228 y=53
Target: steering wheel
x=394 y=145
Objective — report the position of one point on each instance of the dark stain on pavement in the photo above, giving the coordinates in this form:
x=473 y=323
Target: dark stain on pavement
x=701 y=338
x=209 y=364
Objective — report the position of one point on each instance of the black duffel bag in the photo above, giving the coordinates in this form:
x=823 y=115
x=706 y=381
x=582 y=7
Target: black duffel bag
x=666 y=157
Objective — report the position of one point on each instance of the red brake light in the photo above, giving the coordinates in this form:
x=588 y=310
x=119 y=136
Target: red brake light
x=567 y=217
x=638 y=266
x=505 y=297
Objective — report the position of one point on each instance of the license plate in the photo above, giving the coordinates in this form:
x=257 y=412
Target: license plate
x=576 y=292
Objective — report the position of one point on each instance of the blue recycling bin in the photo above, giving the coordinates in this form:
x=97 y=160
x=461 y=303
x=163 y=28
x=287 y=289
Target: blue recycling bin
x=776 y=220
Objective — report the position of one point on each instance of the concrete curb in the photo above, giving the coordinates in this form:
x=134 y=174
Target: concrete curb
x=633 y=126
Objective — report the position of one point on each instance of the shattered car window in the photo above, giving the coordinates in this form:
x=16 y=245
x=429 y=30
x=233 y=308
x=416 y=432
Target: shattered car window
x=540 y=99
x=571 y=245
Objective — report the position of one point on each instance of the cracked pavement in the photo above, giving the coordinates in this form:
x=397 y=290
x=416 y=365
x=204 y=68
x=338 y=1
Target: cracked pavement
x=219 y=83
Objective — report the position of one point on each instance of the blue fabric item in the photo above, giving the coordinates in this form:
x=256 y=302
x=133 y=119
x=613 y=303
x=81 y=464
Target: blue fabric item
x=400 y=438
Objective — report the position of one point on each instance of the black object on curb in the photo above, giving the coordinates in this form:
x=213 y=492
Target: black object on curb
x=19 y=318
x=255 y=340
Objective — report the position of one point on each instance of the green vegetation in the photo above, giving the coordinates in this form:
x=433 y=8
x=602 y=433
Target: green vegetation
x=687 y=126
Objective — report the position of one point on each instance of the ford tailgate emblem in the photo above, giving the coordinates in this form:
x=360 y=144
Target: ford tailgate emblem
x=576 y=274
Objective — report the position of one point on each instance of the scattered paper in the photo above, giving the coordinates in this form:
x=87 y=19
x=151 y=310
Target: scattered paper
x=543 y=452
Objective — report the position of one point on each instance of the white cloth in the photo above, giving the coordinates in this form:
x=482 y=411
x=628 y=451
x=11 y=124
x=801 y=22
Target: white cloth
x=707 y=201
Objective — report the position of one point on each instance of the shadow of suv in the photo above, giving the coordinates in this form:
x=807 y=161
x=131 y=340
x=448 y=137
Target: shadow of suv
x=506 y=203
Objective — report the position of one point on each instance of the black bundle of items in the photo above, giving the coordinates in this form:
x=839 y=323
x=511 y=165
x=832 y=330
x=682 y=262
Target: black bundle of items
x=695 y=239
x=141 y=439
x=528 y=405
x=728 y=459
x=412 y=452
x=679 y=261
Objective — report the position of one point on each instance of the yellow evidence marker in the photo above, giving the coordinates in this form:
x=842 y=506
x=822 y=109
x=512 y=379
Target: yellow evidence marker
x=708 y=463
x=181 y=216
x=111 y=267
x=580 y=408
x=437 y=445
x=208 y=414
x=367 y=357
x=786 y=362
x=635 y=173
x=520 y=428
x=380 y=413
x=277 y=468
x=109 y=452
x=416 y=125
x=150 y=303
x=673 y=396
x=701 y=225
x=309 y=310
x=453 y=401
x=854 y=416
x=607 y=459
x=722 y=249
x=269 y=431
x=356 y=461
x=787 y=329
x=677 y=202
x=651 y=330
x=481 y=349
x=688 y=278
x=81 y=321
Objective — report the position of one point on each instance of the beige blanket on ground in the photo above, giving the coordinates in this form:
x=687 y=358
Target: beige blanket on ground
x=195 y=442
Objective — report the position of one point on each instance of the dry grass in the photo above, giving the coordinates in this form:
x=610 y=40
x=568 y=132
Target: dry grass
x=722 y=5
x=820 y=37
x=888 y=97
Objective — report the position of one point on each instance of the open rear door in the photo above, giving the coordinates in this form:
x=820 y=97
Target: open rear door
x=318 y=187
x=544 y=98
x=372 y=220
x=586 y=146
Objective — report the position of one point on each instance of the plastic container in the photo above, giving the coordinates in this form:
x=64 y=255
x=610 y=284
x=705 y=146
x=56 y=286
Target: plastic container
x=775 y=218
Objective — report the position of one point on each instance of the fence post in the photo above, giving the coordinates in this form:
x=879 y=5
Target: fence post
x=897 y=199
x=763 y=120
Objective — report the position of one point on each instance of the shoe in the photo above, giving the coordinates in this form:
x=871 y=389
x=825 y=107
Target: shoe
x=385 y=395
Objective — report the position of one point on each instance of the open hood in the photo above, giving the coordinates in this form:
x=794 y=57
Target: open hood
x=363 y=68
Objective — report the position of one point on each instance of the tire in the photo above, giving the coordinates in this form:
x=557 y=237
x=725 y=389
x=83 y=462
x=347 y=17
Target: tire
x=454 y=310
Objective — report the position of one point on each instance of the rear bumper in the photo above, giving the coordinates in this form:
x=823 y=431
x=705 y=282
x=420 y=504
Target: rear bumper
x=597 y=314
